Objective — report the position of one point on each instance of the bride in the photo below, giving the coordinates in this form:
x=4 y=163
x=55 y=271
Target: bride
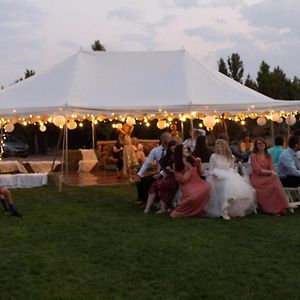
x=231 y=195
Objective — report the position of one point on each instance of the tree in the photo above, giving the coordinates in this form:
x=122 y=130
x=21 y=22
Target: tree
x=29 y=73
x=295 y=87
x=264 y=79
x=234 y=68
x=250 y=83
x=222 y=67
x=97 y=46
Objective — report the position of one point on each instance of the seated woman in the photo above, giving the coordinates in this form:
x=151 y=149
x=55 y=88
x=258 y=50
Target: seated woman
x=201 y=150
x=165 y=187
x=195 y=191
x=231 y=196
x=270 y=195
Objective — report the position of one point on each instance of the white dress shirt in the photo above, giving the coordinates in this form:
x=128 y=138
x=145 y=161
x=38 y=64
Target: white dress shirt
x=155 y=154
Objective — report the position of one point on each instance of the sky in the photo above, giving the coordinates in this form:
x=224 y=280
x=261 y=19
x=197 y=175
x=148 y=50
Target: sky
x=37 y=34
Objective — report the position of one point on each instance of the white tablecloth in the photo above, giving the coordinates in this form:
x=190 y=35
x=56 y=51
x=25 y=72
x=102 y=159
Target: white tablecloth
x=23 y=180
x=89 y=160
x=42 y=166
x=11 y=166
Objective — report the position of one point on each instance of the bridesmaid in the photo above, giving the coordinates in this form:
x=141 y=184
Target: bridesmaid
x=195 y=191
x=270 y=195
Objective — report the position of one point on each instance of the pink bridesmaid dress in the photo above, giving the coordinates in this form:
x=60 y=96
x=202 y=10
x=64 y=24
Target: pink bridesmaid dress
x=270 y=195
x=195 y=195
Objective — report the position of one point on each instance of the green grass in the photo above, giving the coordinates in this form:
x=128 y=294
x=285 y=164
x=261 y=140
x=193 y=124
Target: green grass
x=95 y=243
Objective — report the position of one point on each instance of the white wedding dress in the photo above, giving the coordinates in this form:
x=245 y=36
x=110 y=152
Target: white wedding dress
x=228 y=189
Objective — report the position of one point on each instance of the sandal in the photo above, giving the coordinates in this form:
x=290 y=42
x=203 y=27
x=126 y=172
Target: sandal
x=159 y=212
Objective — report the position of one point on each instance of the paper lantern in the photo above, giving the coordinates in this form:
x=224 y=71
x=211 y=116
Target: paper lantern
x=119 y=125
x=130 y=121
x=72 y=125
x=290 y=120
x=209 y=122
x=9 y=127
x=161 y=124
x=59 y=120
x=43 y=128
x=275 y=117
x=280 y=120
x=261 y=121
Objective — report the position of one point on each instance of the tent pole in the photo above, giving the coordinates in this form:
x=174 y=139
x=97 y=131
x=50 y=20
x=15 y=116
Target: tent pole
x=272 y=132
x=192 y=124
x=56 y=150
x=62 y=160
x=67 y=148
x=93 y=134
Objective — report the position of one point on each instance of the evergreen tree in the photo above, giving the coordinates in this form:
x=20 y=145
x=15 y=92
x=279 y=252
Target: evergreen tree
x=264 y=79
x=250 y=83
x=236 y=67
x=29 y=73
x=222 y=67
x=97 y=46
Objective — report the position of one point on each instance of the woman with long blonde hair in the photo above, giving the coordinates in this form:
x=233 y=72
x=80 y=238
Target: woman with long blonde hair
x=232 y=196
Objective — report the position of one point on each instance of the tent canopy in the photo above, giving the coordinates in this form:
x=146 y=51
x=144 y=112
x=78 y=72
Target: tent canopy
x=133 y=82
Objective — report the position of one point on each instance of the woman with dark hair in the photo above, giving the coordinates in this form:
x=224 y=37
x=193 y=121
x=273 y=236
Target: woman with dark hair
x=270 y=195
x=165 y=187
x=201 y=150
x=195 y=192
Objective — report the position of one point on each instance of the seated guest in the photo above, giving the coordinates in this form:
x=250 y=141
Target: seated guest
x=117 y=155
x=194 y=134
x=166 y=186
x=288 y=170
x=246 y=145
x=270 y=195
x=143 y=183
x=201 y=150
x=276 y=150
x=232 y=196
x=7 y=202
x=195 y=192
x=139 y=150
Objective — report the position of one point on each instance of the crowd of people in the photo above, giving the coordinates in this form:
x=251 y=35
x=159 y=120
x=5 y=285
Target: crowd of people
x=182 y=187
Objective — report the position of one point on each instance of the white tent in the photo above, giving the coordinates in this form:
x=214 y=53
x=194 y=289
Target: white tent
x=133 y=82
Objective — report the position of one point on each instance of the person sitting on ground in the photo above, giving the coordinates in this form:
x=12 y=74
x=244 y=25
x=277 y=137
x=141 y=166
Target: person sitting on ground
x=195 y=191
x=139 y=150
x=288 y=169
x=143 y=183
x=117 y=155
x=166 y=186
x=232 y=196
x=277 y=149
x=270 y=195
x=194 y=134
x=7 y=202
x=201 y=150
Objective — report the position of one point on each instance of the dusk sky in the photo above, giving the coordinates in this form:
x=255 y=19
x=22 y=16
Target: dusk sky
x=36 y=34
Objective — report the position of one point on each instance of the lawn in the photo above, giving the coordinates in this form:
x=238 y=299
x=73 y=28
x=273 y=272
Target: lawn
x=95 y=243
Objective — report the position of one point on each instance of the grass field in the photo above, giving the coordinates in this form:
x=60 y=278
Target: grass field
x=95 y=243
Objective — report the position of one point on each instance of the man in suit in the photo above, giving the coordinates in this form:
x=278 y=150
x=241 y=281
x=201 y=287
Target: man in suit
x=144 y=183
